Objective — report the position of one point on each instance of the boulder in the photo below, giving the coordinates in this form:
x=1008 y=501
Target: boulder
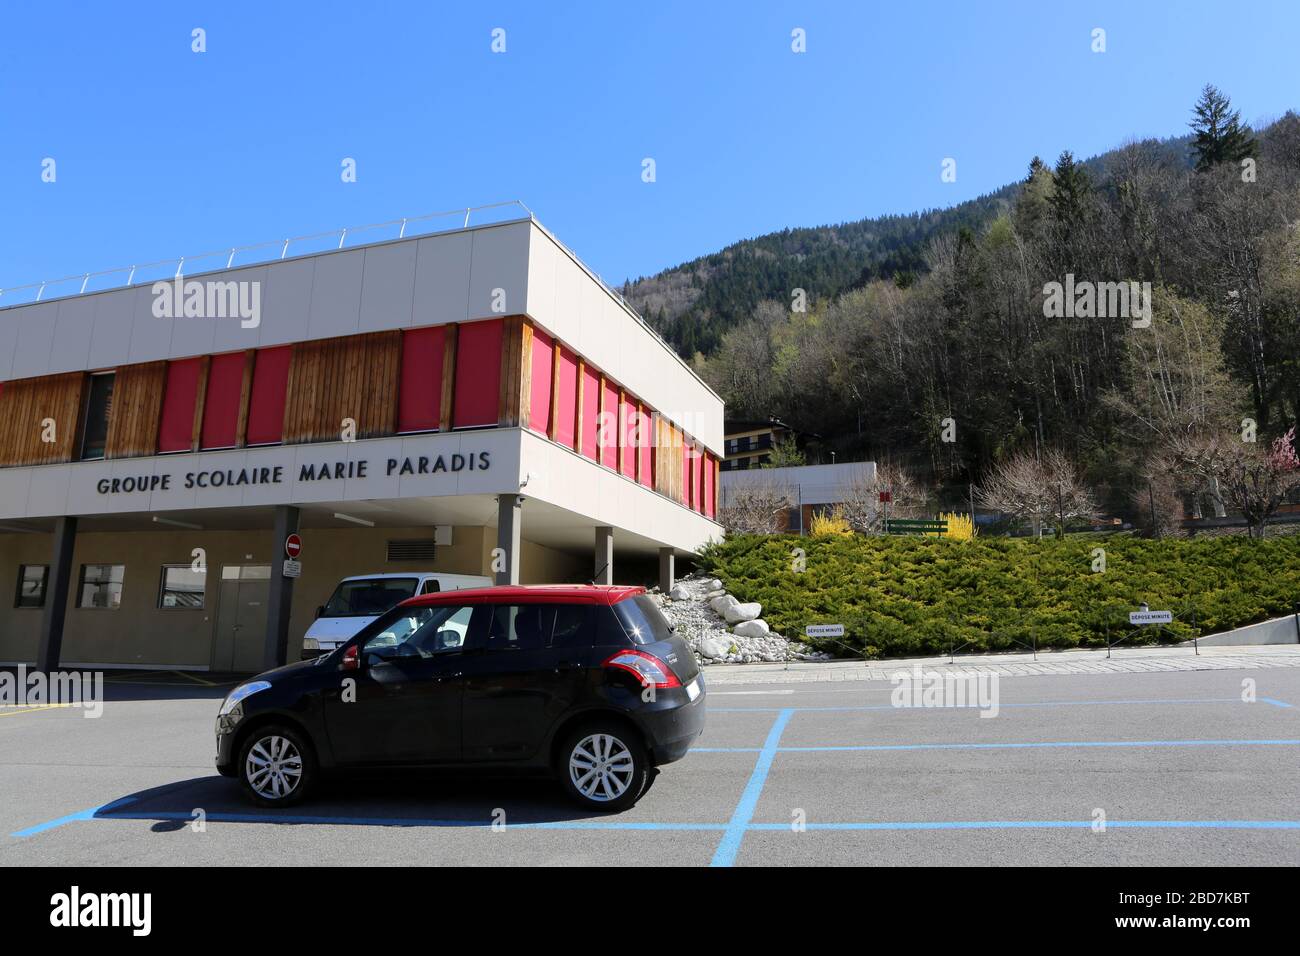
x=679 y=593
x=742 y=612
x=712 y=648
x=755 y=628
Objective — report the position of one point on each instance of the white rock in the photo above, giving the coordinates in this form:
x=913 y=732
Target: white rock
x=722 y=604
x=712 y=648
x=713 y=584
x=756 y=628
x=742 y=612
x=679 y=593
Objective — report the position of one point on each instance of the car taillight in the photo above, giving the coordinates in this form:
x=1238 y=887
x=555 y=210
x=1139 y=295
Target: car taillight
x=648 y=669
x=351 y=658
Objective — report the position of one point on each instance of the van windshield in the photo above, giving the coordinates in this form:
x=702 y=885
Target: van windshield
x=368 y=597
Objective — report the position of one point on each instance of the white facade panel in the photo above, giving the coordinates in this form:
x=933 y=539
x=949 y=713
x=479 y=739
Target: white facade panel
x=441 y=292
x=70 y=348
x=35 y=328
x=286 y=303
x=388 y=287
x=336 y=295
x=498 y=277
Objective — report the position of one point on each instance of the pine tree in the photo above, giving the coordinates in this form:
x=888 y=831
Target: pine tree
x=1220 y=135
x=1069 y=201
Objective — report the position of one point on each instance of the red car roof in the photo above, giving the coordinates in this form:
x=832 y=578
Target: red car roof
x=529 y=594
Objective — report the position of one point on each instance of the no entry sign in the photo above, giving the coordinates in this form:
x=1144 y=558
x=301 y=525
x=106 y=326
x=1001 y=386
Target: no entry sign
x=292 y=546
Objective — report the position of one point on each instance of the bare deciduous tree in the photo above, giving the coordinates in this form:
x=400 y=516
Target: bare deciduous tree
x=755 y=509
x=861 y=499
x=1253 y=478
x=1041 y=490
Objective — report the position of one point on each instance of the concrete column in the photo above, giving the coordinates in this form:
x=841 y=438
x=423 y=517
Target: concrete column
x=56 y=595
x=667 y=569
x=604 y=563
x=280 y=601
x=509 y=523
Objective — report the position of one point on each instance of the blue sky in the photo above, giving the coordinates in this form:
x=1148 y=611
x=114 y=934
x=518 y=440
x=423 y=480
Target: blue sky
x=162 y=152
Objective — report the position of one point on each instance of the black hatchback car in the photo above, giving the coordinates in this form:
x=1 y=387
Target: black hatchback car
x=588 y=683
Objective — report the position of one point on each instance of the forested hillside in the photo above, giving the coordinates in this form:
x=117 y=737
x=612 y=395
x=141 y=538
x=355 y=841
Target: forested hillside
x=912 y=321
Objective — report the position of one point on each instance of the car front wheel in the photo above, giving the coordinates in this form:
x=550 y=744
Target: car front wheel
x=276 y=766
x=604 y=767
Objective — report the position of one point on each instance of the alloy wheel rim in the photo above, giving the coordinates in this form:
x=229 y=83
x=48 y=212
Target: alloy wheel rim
x=601 y=767
x=273 y=768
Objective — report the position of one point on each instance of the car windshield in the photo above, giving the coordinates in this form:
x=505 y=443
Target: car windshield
x=643 y=620
x=368 y=597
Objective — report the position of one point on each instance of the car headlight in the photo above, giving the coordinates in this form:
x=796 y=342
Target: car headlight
x=239 y=693
x=310 y=644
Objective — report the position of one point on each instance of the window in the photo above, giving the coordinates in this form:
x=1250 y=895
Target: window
x=642 y=620
x=32 y=579
x=99 y=405
x=518 y=627
x=431 y=586
x=182 y=586
x=417 y=632
x=572 y=626
x=100 y=585
x=369 y=597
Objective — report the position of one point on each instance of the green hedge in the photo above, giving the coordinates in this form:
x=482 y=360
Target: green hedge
x=903 y=596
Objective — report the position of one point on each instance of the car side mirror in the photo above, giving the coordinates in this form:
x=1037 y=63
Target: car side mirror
x=320 y=610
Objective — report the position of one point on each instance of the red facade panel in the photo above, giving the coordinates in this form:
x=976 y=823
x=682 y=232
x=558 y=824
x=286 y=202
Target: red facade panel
x=419 y=392
x=266 y=404
x=609 y=427
x=590 y=410
x=566 y=413
x=539 y=403
x=181 y=391
x=221 y=406
x=710 y=473
x=478 y=374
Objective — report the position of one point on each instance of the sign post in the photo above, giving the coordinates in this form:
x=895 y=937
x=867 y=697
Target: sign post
x=292 y=567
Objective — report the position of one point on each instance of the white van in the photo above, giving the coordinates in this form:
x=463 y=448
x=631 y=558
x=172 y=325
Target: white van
x=359 y=600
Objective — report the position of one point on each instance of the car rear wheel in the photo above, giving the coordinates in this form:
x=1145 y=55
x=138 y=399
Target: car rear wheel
x=604 y=767
x=276 y=766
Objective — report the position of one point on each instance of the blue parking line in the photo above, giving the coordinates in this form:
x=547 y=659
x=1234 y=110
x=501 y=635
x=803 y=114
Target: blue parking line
x=729 y=845
x=1274 y=701
x=1051 y=743
x=90 y=814
x=1044 y=825
x=1041 y=703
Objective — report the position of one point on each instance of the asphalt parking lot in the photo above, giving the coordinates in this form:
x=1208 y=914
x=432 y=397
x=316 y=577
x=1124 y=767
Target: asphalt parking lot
x=1116 y=769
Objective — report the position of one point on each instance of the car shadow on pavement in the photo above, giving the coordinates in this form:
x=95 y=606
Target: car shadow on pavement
x=409 y=800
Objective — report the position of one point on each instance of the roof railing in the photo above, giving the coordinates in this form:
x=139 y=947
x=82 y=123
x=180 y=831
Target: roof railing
x=402 y=225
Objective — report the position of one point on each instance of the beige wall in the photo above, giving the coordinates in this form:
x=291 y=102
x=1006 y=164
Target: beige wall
x=140 y=633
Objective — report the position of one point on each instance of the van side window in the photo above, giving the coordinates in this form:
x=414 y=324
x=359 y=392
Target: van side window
x=522 y=627
x=430 y=587
x=572 y=626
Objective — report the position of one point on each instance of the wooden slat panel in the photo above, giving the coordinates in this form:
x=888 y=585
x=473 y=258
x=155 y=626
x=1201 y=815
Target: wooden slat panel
x=200 y=403
x=336 y=379
x=509 y=400
x=448 y=377
x=245 y=398
x=25 y=403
